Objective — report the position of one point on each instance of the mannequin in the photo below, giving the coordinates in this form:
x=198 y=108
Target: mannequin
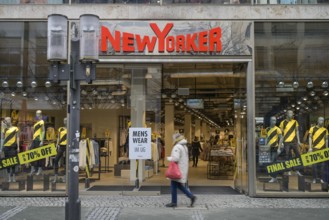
x=61 y=147
x=291 y=140
x=38 y=137
x=10 y=145
x=318 y=140
x=273 y=140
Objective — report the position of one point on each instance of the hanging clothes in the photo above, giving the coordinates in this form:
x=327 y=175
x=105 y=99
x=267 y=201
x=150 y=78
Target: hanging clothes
x=87 y=155
x=96 y=151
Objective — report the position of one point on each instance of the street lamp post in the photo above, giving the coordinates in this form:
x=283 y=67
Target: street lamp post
x=84 y=54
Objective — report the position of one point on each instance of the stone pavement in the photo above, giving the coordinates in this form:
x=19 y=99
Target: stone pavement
x=117 y=207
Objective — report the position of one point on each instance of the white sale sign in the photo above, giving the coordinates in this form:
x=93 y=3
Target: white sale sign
x=139 y=143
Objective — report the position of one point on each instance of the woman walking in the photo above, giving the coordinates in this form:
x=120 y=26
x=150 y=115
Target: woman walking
x=196 y=149
x=179 y=154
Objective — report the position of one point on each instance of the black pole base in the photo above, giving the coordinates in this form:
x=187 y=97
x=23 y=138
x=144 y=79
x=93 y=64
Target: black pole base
x=73 y=211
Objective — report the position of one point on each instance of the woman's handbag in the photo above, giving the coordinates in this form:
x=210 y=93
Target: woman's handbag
x=173 y=171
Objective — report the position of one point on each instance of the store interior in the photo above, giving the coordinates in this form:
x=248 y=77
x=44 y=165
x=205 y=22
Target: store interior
x=211 y=96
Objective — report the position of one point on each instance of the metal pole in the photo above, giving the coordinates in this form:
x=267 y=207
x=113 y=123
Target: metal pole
x=73 y=203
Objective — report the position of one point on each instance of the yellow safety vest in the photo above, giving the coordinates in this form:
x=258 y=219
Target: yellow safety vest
x=319 y=135
x=272 y=135
x=10 y=136
x=62 y=133
x=38 y=129
x=289 y=130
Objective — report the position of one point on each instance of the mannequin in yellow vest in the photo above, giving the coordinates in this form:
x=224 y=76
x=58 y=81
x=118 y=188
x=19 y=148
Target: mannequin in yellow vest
x=291 y=141
x=10 y=145
x=61 y=147
x=38 y=137
x=318 y=140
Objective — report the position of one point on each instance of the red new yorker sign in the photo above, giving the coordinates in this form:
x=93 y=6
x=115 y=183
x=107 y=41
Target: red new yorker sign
x=161 y=41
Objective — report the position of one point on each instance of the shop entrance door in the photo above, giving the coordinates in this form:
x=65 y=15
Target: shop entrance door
x=209 y=101
x=170 y=91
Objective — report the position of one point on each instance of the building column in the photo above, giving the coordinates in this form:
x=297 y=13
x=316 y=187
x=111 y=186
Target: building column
x=197 y=131
x=169 y=128
x=204 y=131
x=188 y=127
x=137 y=117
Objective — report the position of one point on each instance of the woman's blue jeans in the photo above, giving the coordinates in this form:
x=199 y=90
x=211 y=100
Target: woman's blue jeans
x=174 y=185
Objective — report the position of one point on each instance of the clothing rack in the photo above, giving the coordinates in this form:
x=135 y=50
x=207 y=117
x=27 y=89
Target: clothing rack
x=104 y=154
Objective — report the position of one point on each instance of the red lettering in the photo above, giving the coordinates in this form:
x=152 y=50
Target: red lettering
x=203 y=39
x=170 y=44
x=106 y=35
x=215 y=36
x=180 y=43
x=190 y=43
x=146 y=42
x=127 y=42
x=161 y=34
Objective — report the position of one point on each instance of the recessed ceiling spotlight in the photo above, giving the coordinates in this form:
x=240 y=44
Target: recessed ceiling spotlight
x=309 y=84
x=325 y=93
x=324 y=84
x=281 y=84
x=19 y=84
x=47 y=84
x=34 y=84
x=312 y=93
x=24 y=94
x=295 y=84
x=13 y=94
x=5 y=84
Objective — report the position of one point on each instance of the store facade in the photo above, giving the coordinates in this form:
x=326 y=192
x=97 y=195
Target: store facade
x=143 y=63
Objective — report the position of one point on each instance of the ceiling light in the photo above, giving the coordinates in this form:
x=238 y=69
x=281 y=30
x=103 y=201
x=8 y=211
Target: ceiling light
x=34 y=84
x=312 y=93
x=36 y=99
x=5 y=84
x=173 y=95
x=295 y=84
x=281 y=84
x=112 y=101
x=13 y=94
x=54 y=102
x=46 y=98
x=24 y=94
x=305 y=98
x=19 y=84
x=164 y=95
x=110 y=96
x=47 y=84
x=309 y=84
x=170 y=100
x=299 y=102
x=325 y=93
x=324 y=84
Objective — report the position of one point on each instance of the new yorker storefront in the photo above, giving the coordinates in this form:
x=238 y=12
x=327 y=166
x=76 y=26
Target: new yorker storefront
x=131 y=50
